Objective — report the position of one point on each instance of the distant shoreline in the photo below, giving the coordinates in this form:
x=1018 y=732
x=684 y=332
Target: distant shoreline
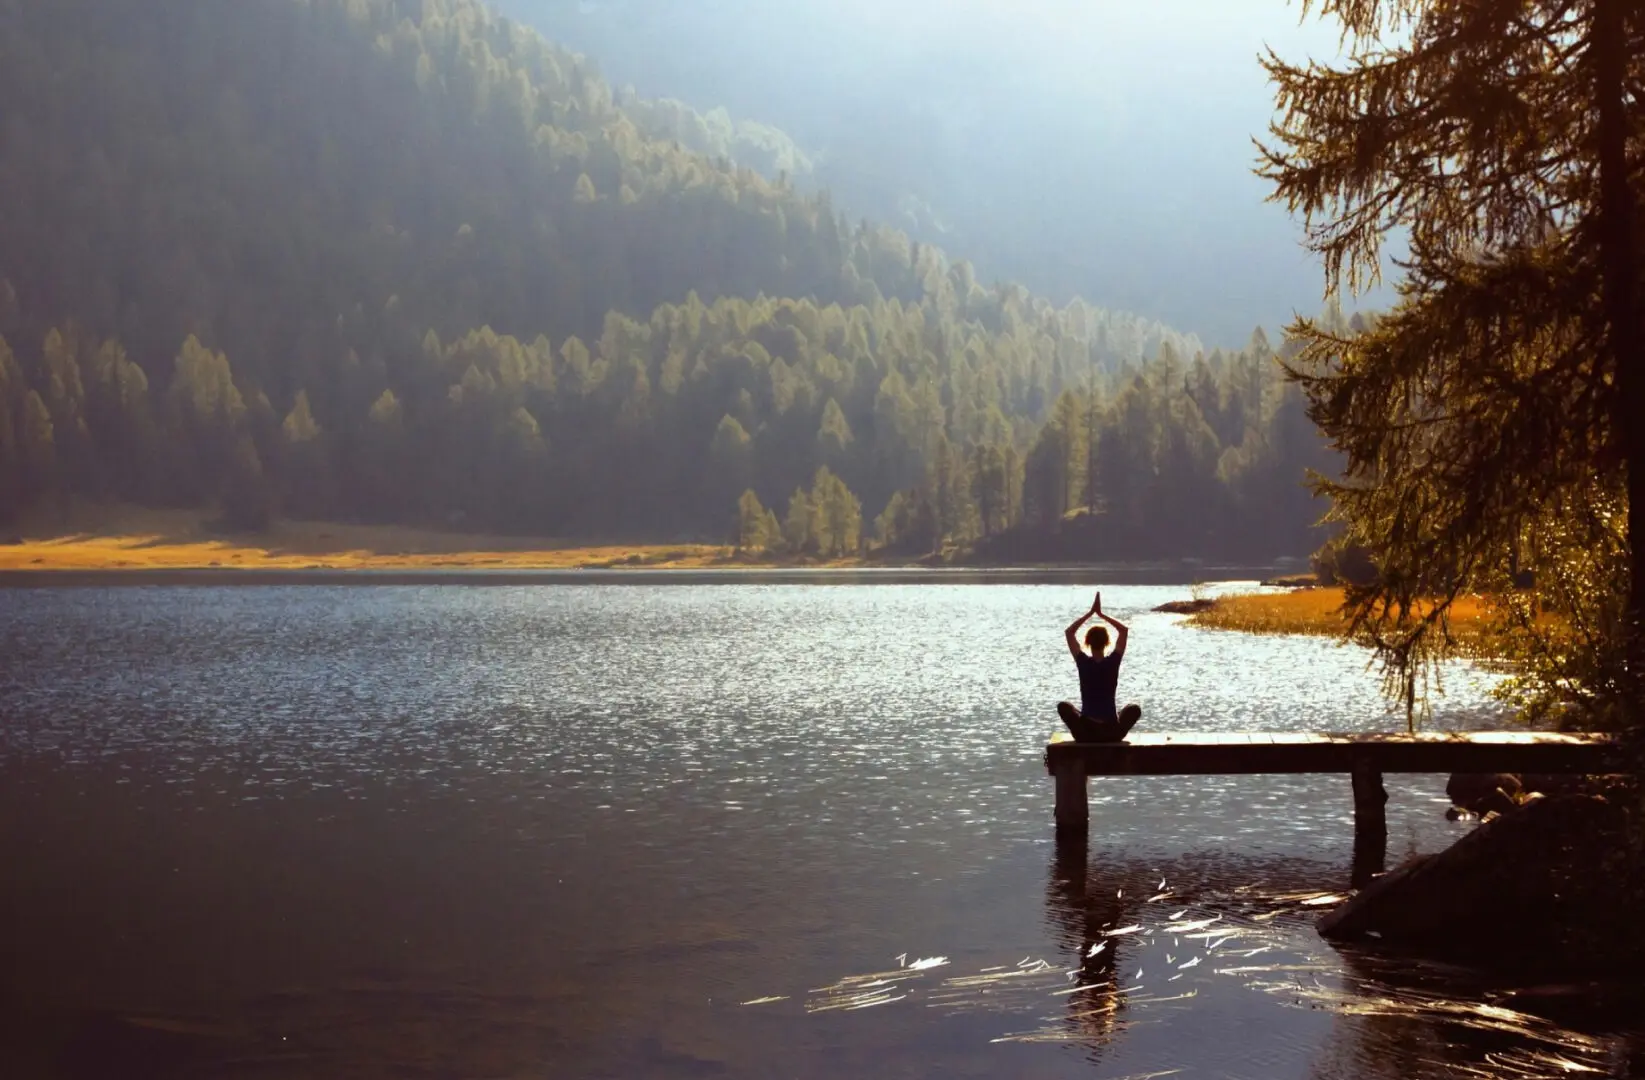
x=131 y=541
x=238 y=557
x=100 y=544
x=877 y=574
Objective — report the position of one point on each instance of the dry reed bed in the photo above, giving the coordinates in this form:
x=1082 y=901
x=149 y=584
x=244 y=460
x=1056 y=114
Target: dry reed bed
x=1319 y=611
x=102 y=538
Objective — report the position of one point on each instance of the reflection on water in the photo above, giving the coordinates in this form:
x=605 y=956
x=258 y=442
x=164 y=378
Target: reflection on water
x=1391 y=1018
x=680 y=830
x=1089 y=921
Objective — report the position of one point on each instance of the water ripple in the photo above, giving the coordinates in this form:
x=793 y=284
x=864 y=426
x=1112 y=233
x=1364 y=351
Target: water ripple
x=470 y=831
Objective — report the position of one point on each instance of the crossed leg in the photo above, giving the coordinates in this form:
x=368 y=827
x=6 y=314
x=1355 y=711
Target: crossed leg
x=1086 y=729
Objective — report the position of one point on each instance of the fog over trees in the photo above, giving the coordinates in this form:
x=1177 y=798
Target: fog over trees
x=1082 y=148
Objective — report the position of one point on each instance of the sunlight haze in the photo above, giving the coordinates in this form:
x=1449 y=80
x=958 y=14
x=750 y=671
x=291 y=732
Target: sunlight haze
x=1099 y=149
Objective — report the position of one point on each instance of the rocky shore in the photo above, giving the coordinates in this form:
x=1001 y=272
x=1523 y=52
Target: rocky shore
x=1186 y=607
x=1551 y=884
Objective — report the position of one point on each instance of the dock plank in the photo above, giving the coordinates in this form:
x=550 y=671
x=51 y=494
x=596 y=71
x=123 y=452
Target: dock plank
x=1185 y=753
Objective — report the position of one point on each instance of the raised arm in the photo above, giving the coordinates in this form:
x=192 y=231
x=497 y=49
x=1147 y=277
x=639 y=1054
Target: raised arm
x=1120 y=632
x=1072 y=633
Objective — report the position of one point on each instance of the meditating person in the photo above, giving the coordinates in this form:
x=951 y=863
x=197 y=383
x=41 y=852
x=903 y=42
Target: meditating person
x=1097 y=720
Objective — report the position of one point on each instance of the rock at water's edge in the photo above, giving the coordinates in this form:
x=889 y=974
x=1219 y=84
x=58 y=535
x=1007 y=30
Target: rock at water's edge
x=1547 y=884
x=1185 y=607
x=1483 y=792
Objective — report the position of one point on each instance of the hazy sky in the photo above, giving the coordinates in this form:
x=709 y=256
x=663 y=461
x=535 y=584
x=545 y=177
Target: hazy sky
x=1078 y=145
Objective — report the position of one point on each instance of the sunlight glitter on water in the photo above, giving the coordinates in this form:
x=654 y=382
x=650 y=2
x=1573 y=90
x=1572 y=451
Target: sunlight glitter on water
x=489 y=831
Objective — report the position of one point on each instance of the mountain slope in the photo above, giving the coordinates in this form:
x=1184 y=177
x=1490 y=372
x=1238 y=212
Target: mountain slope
x=340 y=156
x=1081 y=148
x=422 y=266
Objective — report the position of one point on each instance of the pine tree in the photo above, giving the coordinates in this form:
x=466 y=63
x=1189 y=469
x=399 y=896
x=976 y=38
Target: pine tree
x=39 y=448
x=1013 y=487
x=799 y=526
x=203 y=392
x=1045 y=478
x=834 y=436
x=64 y=393
x=123 y=427
x=837 y=515
x=246 y=499
x=753 y=520
x=299 y=425
x=957 y=518
x=381 y=466
x=891 y=527
x=1068 y=419
x=1497 y=409
x=985 y=486
x=1090 y=497
x=13 y=480
x=307 y=478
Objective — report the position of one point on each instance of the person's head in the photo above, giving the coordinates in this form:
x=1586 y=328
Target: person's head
x=1096 y=640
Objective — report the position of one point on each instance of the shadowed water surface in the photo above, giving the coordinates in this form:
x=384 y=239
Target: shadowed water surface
x=683 y=830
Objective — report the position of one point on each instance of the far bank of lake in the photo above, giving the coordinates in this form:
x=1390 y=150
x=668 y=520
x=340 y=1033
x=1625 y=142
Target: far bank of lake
x=96 y=538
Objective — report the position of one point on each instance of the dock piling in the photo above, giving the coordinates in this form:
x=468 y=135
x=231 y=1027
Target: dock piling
x=1370 y=801
x=1073 y=811
x=1370 y=823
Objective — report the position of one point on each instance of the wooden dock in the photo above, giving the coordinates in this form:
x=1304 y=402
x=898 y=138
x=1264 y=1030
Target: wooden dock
x=1364 y=757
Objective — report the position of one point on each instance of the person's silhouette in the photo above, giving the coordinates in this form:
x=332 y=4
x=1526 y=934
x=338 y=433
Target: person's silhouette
x=1097 y=719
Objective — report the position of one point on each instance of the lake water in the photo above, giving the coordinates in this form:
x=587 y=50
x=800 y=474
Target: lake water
x=686 y=827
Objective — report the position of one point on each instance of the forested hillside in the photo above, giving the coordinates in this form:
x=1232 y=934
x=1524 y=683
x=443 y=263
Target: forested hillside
x=1094 y=149
x=401 y=260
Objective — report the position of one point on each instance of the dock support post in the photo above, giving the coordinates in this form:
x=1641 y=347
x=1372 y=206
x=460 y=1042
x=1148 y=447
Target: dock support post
x=1370 y=823
x=1073 y=809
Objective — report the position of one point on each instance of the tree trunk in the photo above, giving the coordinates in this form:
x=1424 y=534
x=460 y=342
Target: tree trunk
x=1611 y=38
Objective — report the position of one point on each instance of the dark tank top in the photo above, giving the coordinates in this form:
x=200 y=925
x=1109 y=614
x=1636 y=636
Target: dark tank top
x=1099 y=676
